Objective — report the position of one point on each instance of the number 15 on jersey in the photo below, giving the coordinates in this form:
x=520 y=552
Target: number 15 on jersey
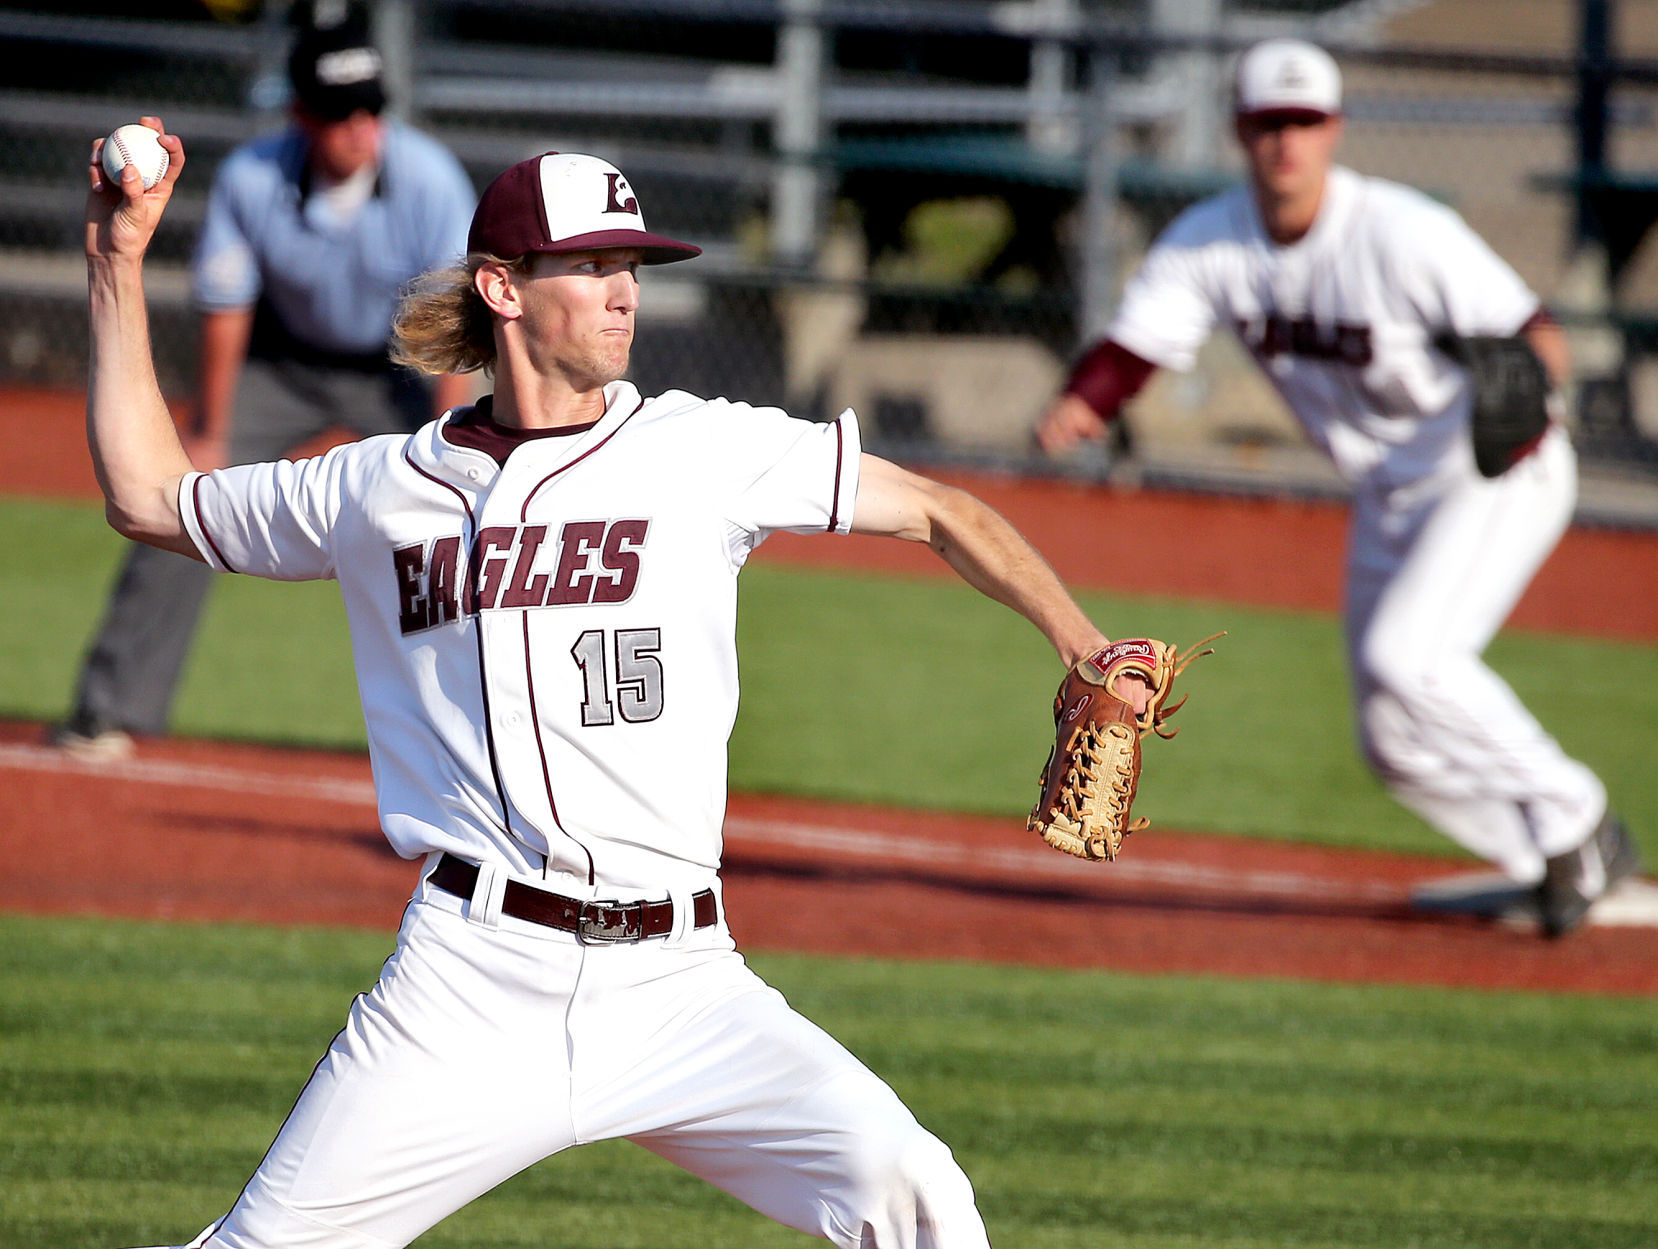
x=621 y=674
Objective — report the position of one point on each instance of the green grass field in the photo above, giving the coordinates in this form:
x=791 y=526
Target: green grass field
x=884 y=689
x=144 y=1068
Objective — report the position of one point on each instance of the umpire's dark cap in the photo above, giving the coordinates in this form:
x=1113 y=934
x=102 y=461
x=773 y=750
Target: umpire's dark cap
x=565 y=202
x=335 y=71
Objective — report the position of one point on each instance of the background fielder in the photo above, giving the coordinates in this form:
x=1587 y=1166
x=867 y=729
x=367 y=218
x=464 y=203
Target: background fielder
x=1338 y=284
x=541 y=590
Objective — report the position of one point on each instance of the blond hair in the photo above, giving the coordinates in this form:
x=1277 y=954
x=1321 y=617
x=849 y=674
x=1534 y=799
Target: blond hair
x=442 y=324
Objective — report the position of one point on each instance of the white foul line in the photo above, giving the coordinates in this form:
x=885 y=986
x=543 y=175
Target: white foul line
x=202 y=776
x=1009 y=863
x=1013 y=862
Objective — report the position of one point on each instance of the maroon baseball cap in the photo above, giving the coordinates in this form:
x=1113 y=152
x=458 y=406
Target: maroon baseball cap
x=565 y=202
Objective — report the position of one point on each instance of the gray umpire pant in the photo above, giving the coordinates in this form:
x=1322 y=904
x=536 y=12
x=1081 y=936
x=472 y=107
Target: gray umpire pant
x=132 y=669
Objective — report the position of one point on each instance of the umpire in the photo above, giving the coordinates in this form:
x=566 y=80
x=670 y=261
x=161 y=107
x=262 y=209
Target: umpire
x=310 y=236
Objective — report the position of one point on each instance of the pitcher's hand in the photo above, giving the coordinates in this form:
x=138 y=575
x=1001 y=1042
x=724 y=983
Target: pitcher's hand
x=121 y=217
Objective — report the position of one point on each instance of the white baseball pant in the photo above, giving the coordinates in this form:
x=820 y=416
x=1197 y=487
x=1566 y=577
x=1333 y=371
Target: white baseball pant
x=1434 y=569
x=490 y=1043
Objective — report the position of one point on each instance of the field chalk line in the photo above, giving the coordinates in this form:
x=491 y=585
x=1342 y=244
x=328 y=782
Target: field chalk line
x=1032 y=864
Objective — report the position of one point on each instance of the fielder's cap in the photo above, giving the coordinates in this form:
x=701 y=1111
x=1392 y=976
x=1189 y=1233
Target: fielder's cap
x=565 y=202
x=336 y=70
x=1287 y=76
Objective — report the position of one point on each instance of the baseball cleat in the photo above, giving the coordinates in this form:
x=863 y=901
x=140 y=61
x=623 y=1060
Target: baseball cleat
x=1494 y=896
x=1574 y=880
x=86 y=740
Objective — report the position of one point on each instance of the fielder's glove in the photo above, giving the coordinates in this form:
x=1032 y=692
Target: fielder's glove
x=1093 y=771
x=1513 y=397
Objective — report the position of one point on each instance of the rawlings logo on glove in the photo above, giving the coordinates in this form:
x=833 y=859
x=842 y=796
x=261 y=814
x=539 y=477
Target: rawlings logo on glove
x=1093 y=770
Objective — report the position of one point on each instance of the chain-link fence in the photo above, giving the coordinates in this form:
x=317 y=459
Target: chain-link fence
x=918 y=209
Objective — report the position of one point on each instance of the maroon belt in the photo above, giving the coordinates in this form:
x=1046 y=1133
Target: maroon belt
x=596 y=923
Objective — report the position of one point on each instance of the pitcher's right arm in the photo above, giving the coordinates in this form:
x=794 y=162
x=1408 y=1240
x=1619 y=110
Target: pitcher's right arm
x=136 y=452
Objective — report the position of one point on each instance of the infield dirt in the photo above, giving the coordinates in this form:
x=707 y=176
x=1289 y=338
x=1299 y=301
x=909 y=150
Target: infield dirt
x=193 y=830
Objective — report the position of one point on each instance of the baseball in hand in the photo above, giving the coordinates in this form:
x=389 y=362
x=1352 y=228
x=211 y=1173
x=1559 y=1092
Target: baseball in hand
x=135 y=145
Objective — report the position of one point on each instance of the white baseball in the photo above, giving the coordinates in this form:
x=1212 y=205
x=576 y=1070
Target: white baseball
x=135 y=145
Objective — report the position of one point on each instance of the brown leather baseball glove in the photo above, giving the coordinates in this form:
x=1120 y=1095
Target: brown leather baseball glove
x=1093 y=771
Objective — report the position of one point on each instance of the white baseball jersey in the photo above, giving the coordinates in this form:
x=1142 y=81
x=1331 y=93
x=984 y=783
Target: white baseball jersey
x=547 y=660
x=546 y=651
x=1341 y=321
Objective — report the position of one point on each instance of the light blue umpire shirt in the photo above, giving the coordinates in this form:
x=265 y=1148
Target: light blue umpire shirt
x=332 y=284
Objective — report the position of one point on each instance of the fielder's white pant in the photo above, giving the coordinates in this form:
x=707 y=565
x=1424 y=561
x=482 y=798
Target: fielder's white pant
x=489 y=1044
x=1433 y=571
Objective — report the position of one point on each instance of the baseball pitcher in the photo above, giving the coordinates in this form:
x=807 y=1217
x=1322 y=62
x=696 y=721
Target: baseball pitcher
x=541 y=592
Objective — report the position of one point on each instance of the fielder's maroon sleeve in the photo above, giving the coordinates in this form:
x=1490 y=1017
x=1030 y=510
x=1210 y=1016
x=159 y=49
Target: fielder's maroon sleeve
x=1107 y=376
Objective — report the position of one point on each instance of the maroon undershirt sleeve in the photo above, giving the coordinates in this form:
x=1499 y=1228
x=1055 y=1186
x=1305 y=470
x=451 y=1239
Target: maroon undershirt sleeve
x=1107 y=376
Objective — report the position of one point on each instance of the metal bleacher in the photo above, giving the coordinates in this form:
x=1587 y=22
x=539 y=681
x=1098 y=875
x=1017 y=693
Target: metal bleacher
x=797 y=140
x=703 y=102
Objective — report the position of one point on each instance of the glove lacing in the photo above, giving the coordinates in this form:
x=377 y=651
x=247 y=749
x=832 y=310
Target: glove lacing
x=1083 y=783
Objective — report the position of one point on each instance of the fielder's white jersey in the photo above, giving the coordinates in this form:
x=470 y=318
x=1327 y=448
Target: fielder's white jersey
x=1341 y=321
x=545 y=652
